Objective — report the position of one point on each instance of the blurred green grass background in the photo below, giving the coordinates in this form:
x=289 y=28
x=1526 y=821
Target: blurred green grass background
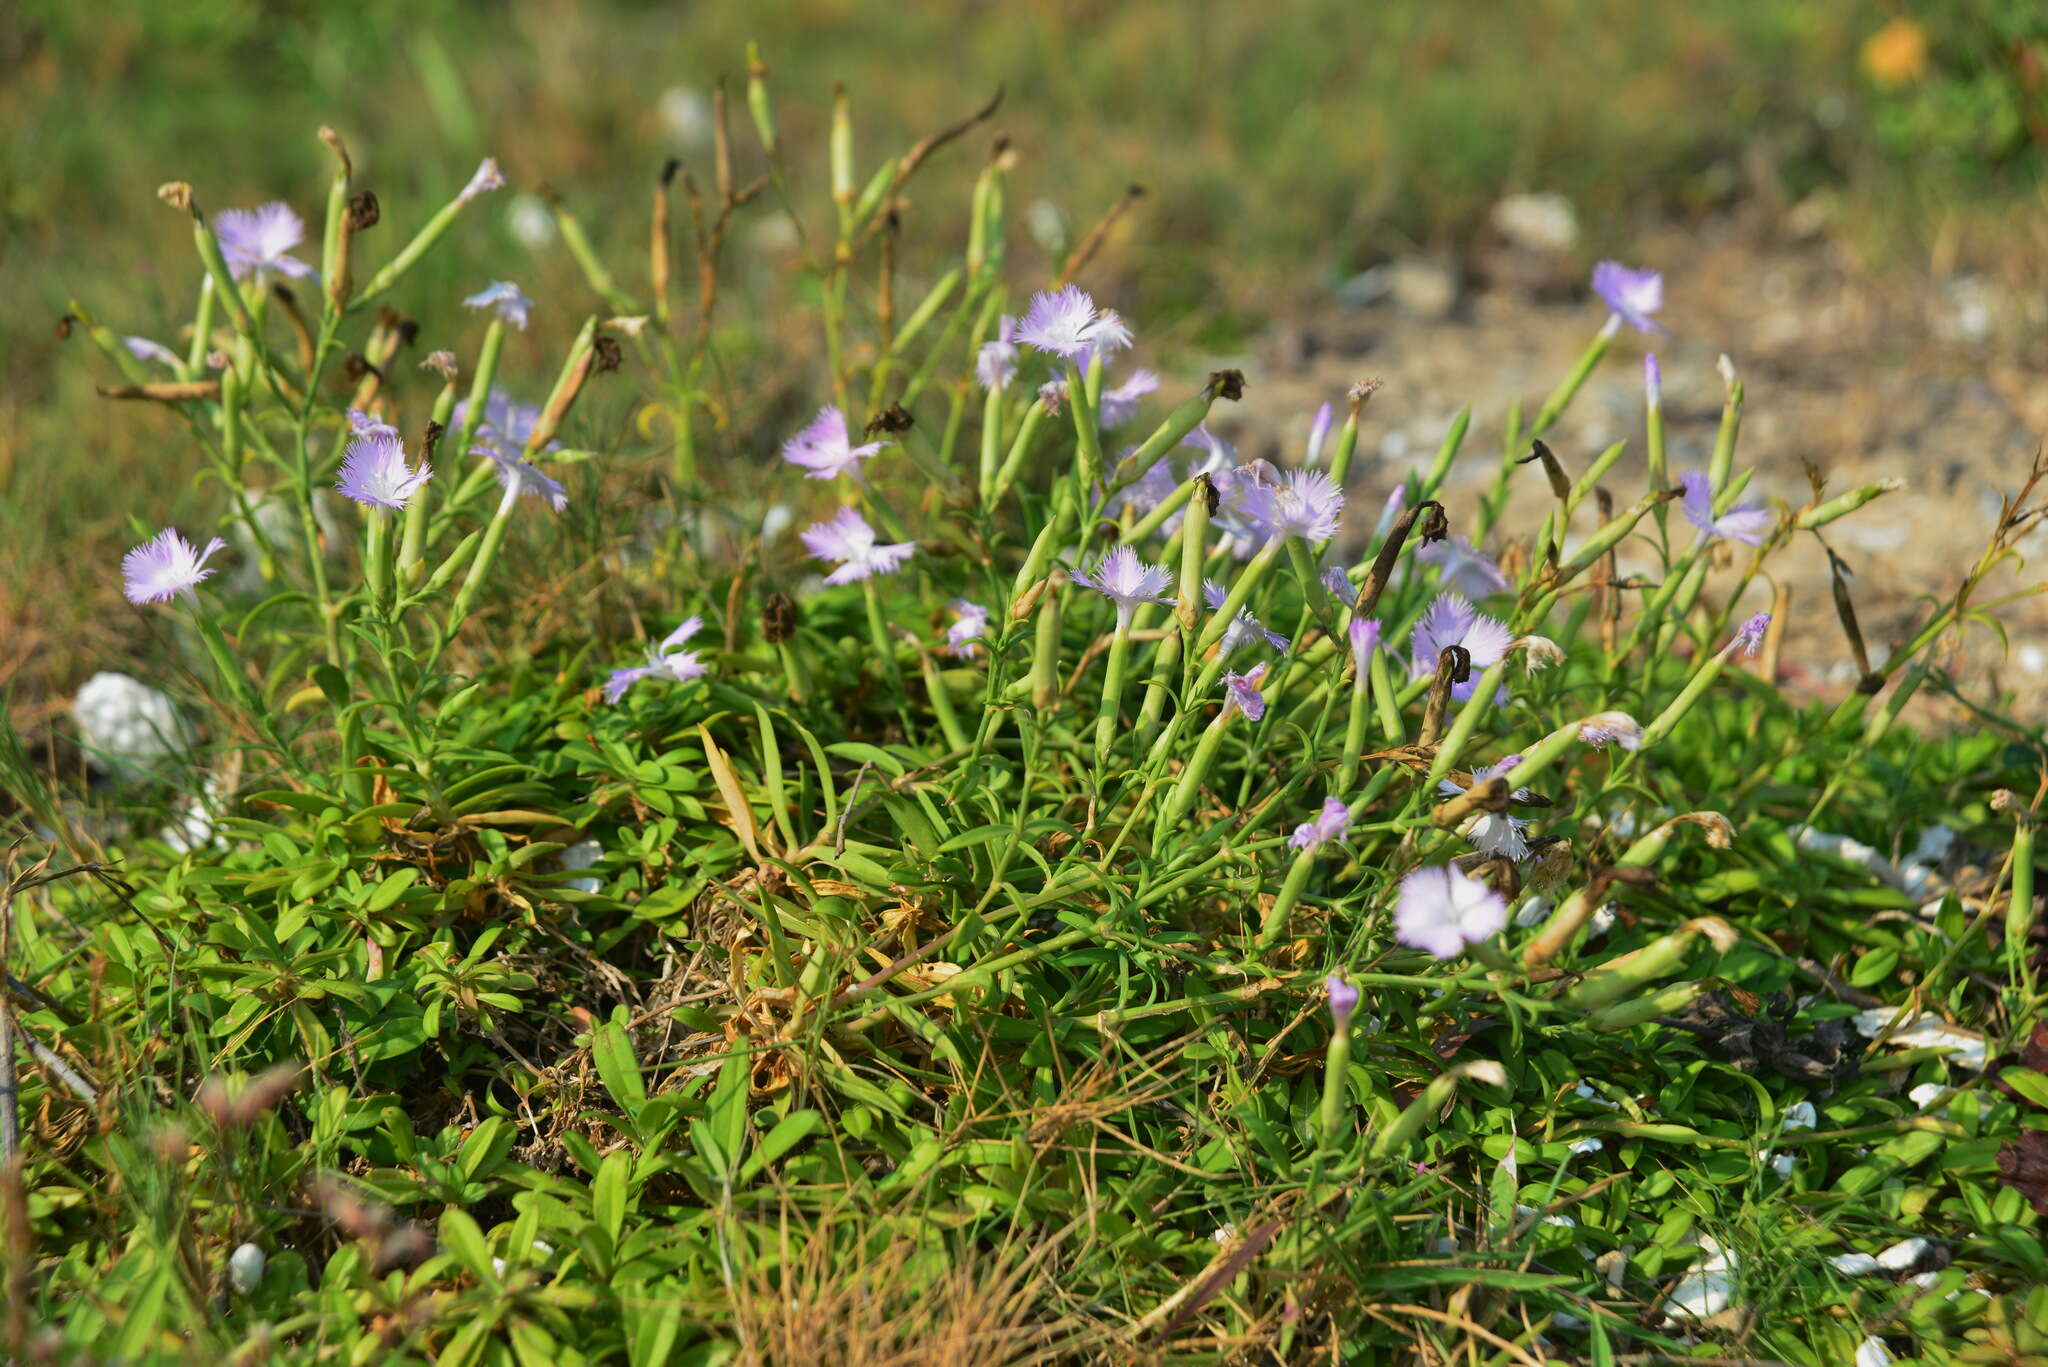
x=1282 y=145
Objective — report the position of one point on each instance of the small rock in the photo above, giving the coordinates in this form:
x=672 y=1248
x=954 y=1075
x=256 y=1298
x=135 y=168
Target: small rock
x=1968 y=309
x=1904 y=1254
x=531 y=221
x=126 y=727
x=1538 y=223
x=1420 y=289
x=245 y=1269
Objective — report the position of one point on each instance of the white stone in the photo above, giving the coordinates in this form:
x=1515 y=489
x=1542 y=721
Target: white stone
x=1707 y=1288
x=1541 y=222
x=1903 y=1254
x=582 y=855
x=127 y=727
x=245 y=1269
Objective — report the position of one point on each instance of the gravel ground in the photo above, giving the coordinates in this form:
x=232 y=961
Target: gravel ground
x=1939 y=382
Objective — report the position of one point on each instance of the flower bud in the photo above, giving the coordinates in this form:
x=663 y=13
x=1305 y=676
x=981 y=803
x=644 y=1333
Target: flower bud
x=1343 y=1001
x=778 y=618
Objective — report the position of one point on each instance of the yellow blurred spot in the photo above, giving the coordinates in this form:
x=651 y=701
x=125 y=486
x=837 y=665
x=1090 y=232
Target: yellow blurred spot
x=1897 y=53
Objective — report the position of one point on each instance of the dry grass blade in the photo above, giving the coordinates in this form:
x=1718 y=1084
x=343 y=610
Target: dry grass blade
x=734 y=796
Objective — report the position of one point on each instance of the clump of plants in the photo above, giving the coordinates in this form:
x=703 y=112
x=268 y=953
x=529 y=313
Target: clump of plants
x=988 y=873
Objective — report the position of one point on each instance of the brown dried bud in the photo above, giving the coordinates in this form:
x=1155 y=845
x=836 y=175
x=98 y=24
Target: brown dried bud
x=356 y=367
x=64 y=327
x=443 y=363
x=1206 y=490
x=605 y=355
x=165 y=391
x=340 y=150
x=1719 y=829
x=1382 y=571
x=1363 y=390
x=778 y=618
x=1435 y=526
x=669 y=169
x=177 y=194
x=363 y=210
x=893 y=419
x=432 y=438
x=1487 y=795
x=1453 y=666
x=1227 y=384
x=405 y=329
x=1027 y=601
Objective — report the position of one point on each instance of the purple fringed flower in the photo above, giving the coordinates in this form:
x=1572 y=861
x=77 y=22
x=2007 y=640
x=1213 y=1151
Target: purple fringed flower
x=258 y=241
x=374 y=472
x=1111 y=334
x=1747 y=522
x=995 y=364
x=1305 y=503
x=166 y=566
x=1120 y=405
x=146 y=349
x=1065 y=323
x=1126 y=581
x=1493 y=832
x=1330 y=826
x=1653 y=382
x=1443 y=911
x=1451 y=621
x=1219 y=455
x=1611 y=728
x=848 y=539
x=361 y=424
x=522 y=478
x=487 y=178
x=825 y=450
x=963 y=637
x=1244 y=629
x=1151 y=489
x=1364 y=635
x=1338 y=583
x=1343 y=998
x=505 y=299
x=1633 y=295
x=1463 y=567
x=1749 y=638
x=1318 y=433
x=666 y=660
x=1396 y=501
x=506 y=422
x=1241 y=691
